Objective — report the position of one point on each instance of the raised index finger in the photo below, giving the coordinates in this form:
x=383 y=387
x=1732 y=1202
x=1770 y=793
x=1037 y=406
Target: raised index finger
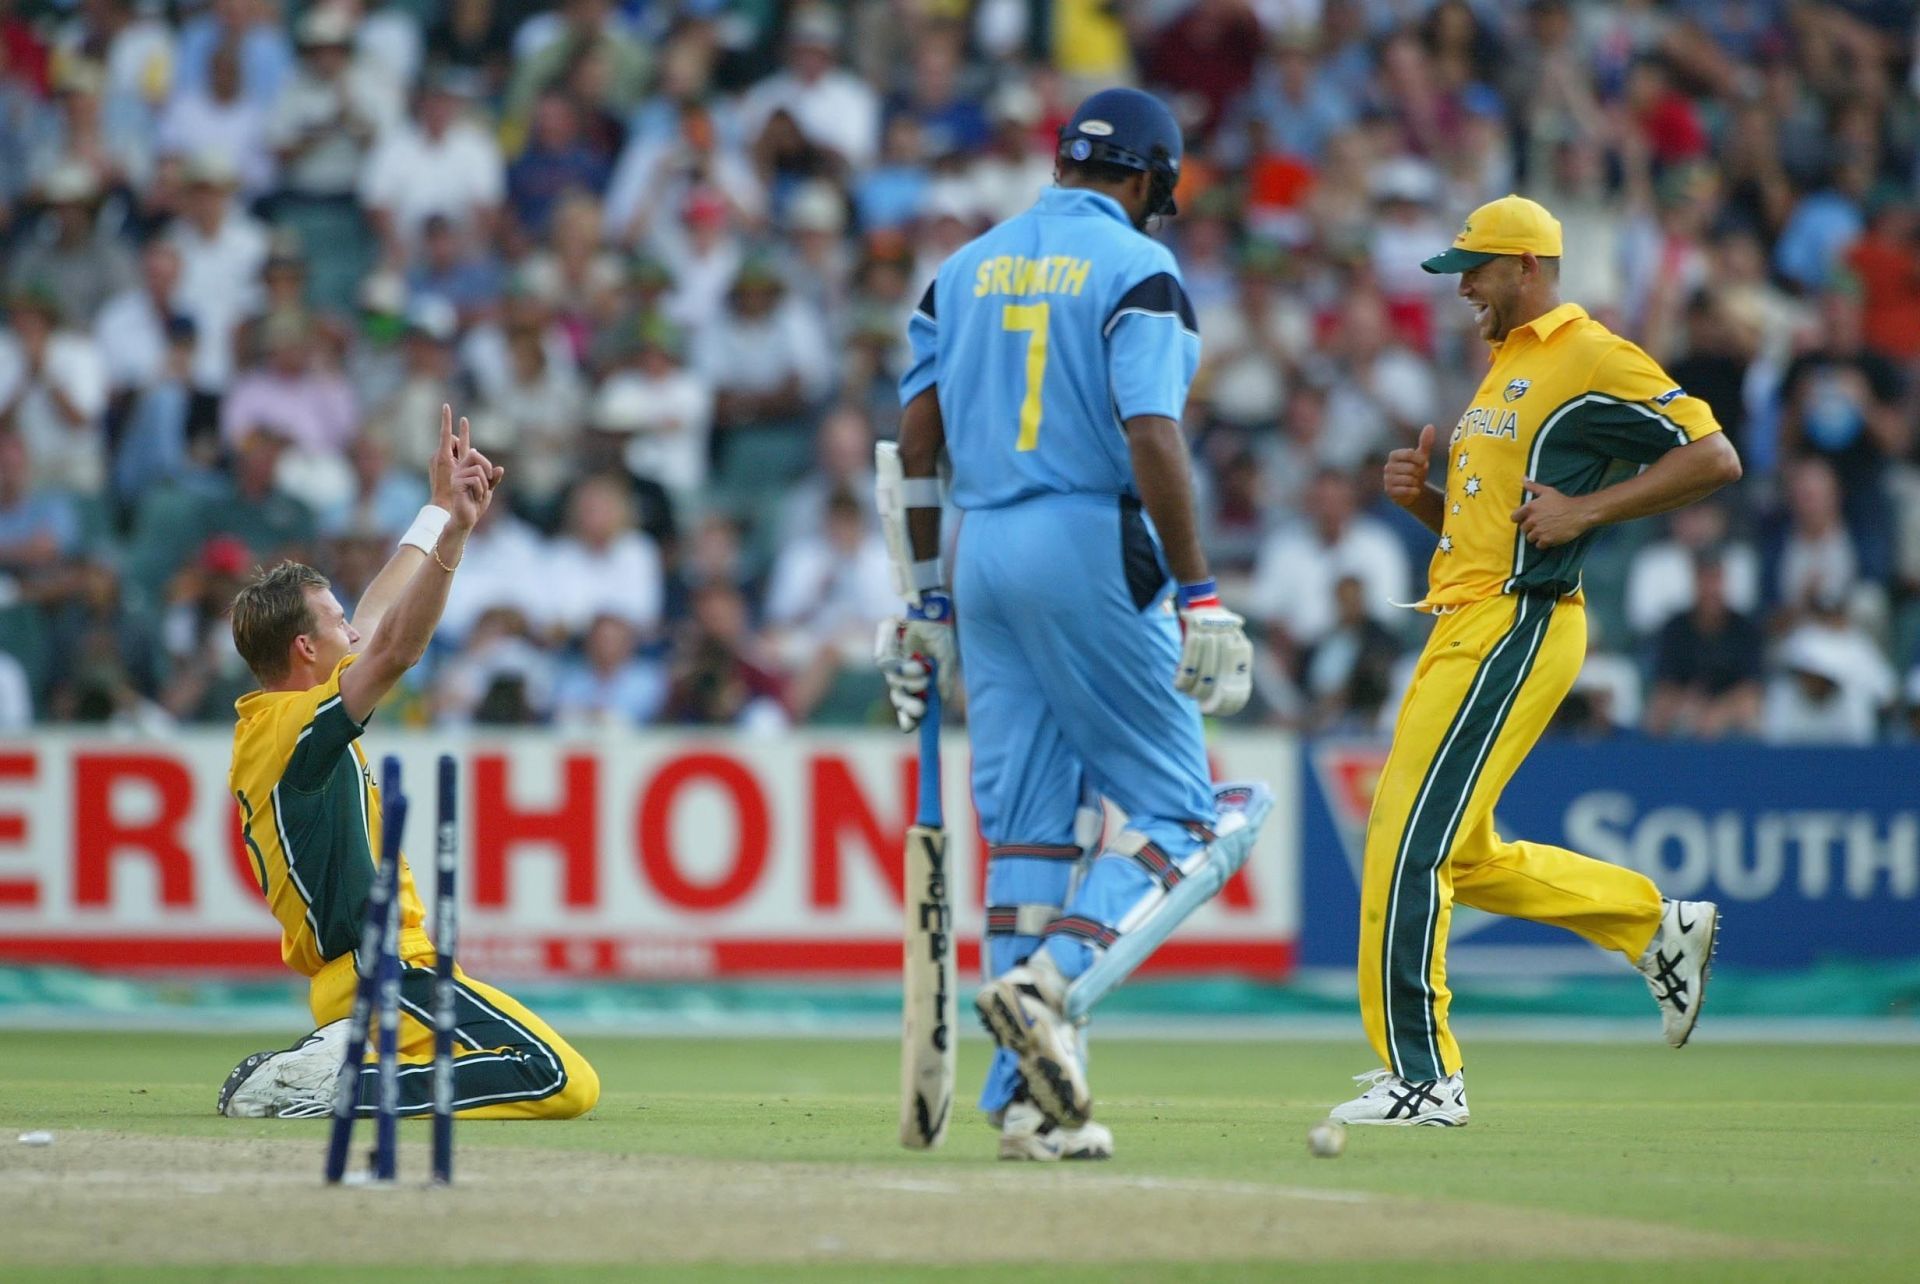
x=446 y=428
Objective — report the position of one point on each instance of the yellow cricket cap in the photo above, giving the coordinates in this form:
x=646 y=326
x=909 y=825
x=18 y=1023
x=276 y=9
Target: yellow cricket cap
x=1510 y=225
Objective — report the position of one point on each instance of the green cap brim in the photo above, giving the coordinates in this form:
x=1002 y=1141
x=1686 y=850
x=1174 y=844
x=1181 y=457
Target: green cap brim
x=1457 y=260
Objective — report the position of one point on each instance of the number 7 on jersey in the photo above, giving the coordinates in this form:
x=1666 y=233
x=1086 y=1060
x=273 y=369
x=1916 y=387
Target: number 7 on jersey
x=1032 y=318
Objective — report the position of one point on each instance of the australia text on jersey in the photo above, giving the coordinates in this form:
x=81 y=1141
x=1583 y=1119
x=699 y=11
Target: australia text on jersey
x=1489 y=422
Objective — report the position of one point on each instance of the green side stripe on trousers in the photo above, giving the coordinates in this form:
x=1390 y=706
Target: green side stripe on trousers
x=1413 y=901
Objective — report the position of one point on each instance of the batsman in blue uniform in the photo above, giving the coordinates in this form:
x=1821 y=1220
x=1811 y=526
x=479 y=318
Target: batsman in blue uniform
x=1051 y=362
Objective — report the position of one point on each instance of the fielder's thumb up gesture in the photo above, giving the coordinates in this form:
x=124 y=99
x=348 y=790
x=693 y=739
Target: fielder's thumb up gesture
x=1405 y=477
x=1216 y=659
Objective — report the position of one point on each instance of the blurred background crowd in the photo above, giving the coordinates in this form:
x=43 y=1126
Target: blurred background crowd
x=662 y=252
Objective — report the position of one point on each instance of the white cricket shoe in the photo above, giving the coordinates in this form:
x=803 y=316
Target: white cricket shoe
x=1027 y=1134
x=1389 y=1099
x=296 y=1083
x=1024 y=1009
x=1677 y=962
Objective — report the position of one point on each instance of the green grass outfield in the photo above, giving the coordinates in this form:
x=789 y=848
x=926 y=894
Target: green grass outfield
x=1813 y=1151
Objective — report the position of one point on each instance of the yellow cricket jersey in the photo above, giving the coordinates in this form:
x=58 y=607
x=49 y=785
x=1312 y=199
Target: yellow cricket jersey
x=1567 y=402
x=310 y=813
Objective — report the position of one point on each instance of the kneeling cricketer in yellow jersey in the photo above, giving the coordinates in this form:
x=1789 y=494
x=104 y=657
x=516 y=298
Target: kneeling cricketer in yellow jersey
x=311 y=817
x=1526 y=476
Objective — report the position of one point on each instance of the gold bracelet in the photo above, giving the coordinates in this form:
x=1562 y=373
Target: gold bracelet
x=435 y=551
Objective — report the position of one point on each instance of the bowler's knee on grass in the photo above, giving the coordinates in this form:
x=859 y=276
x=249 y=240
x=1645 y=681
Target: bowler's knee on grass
x=507 y=1062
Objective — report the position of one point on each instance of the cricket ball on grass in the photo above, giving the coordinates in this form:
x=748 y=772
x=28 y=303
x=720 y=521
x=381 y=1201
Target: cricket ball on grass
x=1327 y=1139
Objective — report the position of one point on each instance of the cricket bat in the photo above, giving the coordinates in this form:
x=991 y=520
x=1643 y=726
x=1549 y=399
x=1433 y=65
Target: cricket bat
x=928 y=1019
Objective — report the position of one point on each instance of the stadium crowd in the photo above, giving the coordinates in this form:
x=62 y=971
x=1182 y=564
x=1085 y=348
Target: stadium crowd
x=662 y=252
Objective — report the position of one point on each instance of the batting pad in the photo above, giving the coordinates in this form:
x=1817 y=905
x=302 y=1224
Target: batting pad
x=1242 y=805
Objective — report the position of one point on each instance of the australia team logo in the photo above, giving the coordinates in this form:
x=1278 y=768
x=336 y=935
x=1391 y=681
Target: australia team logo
x=1518 y=389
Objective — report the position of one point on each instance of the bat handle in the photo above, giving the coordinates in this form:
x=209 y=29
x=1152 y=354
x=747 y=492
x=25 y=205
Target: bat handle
x=927 y=811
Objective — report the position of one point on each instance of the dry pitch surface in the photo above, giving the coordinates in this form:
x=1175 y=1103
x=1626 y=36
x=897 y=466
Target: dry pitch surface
x=774 y=1160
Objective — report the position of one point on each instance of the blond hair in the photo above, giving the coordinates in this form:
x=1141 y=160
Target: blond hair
x=270 y=612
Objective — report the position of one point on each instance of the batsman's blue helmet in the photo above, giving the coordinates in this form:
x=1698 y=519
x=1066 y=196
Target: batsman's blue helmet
x=1132 y=129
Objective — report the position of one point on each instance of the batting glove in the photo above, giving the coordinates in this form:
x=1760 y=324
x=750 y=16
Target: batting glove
x=912 y=651
x=1216 y=659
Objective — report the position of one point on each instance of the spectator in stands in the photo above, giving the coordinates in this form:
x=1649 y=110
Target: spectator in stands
x=820 y=267
x=505 y=567
x=502 y=677
x=842 y=464
x=658 y=172
x=1707 y=663
x=767 y=360
x=1719 y=355
x=205 y=674
x=476 y=36
x=665 y=413
x=1301 y=565
x=557 y=160
x=440 y=162
x=1380 y=392
x=1661 y=577
x=1347 y=674
x=427 y=378
x=719 y=675
x=1292 y=103
x=1233 y=519
x=950 y=120
x=131 y=329
x=1017 y=165
x=832 y=109
x=39 y=527
x=1816 y=559
x=1886 y=262
x=156 y=446
x=78 y=265
x=1844 y=402
x=252 y=505
x=250 y=31
x=830 y=587
x=1255 y=343
x=53 y=394
x=323 y=125
x=1832 y=686
x=383 y=498
x=1206 y=54
x=534 y=399
x=110 y=138
x=550 y=47
x=603 y=565
x=219 y=117
x=610 y=684
x=222 y=250
x=310 y=406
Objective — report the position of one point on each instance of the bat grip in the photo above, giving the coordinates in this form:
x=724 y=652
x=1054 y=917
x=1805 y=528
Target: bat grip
x=927 y=810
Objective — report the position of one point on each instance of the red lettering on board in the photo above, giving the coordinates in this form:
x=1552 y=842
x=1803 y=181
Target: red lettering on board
x=23 y=892
x=570 y=826
x=101 y=837
x=838 y=806
x=653 y=833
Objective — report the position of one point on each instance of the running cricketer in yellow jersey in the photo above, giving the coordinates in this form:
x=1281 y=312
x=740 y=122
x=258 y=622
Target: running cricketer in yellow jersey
x=1572 y=428
x=310 y=814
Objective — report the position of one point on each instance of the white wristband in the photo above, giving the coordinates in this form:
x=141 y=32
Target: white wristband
x=426 y=529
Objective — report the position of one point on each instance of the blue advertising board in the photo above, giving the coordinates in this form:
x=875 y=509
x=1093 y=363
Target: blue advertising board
x=1813 y=854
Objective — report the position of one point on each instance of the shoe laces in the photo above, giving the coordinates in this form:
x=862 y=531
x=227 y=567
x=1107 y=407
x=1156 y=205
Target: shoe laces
x=304 y=1108
x=1374 y=1078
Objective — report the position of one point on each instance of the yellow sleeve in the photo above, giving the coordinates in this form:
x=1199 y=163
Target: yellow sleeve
x=1637 y=412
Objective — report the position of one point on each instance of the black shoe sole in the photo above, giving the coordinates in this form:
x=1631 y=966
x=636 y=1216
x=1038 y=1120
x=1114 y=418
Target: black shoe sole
x=237 y=1076
x=1047 y=1080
